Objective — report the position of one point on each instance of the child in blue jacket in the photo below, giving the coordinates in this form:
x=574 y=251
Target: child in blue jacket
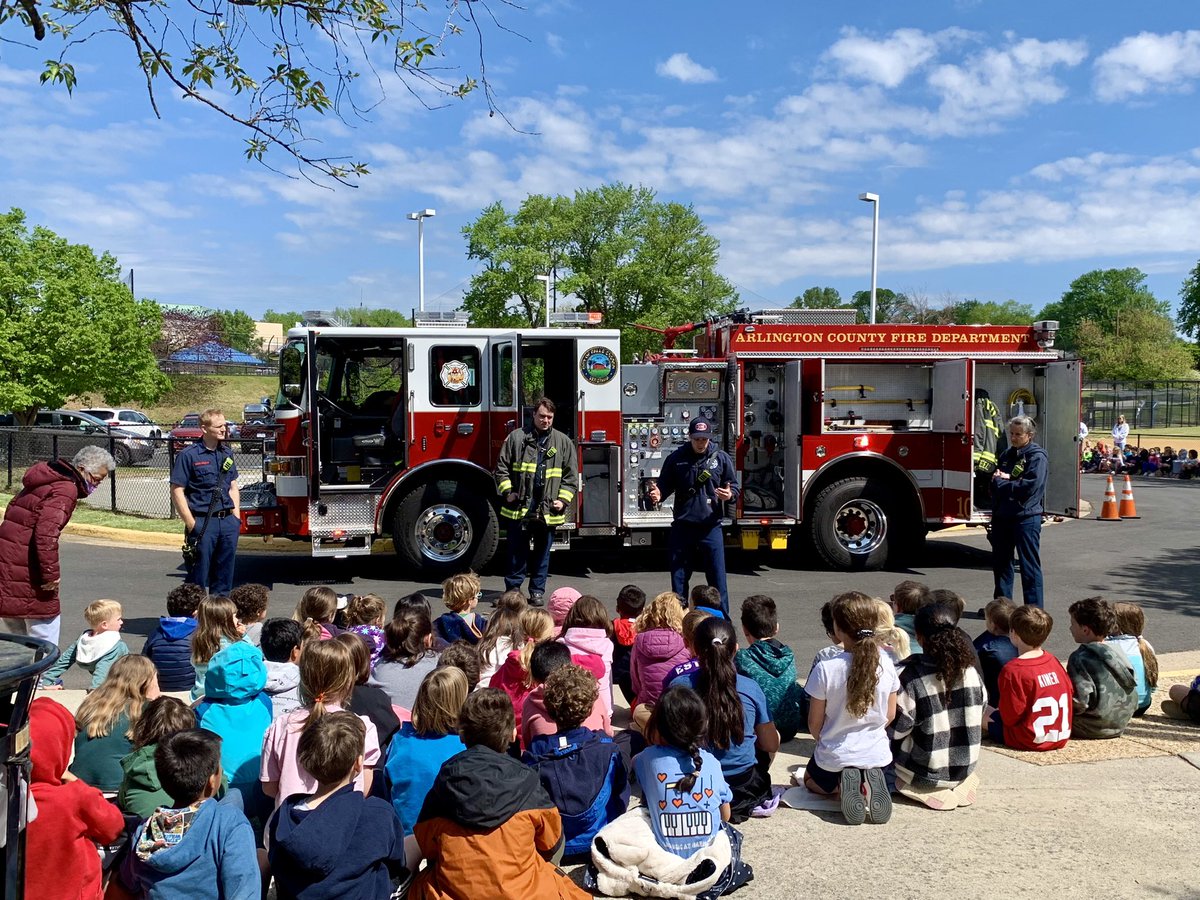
x=169 y=646
x=581 y=770
x=239 y=711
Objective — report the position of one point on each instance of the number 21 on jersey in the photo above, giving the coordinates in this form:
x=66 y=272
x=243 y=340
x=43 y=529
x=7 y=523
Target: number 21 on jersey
x=1054 y=723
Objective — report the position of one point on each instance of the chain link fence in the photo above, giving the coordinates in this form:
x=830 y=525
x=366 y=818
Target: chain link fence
x=1144 y=404
x=141 y=484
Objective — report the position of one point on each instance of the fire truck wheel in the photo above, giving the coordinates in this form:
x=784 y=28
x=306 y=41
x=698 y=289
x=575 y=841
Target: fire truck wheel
x=445 y=527
x=854 y=524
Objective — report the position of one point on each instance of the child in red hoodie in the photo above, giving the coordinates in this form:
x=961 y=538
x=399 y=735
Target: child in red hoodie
x=73 y=817
x=630 y=603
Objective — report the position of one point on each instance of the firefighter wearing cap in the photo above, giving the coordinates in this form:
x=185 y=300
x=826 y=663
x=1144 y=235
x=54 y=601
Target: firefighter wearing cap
x=537 y=478
x=702 y=478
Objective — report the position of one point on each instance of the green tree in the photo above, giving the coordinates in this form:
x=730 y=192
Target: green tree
x=615 y=250
x=1103 y=296
x=987 y=312
x=68 y=325
x=362 y=316
x=285 y=318
x=890 y=307
x=271 y=67
x=1142 y=347
x=819 y=298
x=235 y=329
x=1188 y=319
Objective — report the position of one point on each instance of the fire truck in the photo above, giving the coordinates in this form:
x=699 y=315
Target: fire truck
x=850 y=440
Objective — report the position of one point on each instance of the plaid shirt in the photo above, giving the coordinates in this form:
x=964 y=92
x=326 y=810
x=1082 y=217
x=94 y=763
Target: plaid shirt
x=936 y=734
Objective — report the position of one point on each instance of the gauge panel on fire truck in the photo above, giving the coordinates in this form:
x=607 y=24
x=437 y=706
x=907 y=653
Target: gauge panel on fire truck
x=690 y=384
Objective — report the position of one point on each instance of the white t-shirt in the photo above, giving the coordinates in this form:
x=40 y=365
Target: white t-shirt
x=1120 y=433
x=846 y=741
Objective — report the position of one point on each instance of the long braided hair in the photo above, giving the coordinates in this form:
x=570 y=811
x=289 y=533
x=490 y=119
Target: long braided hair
x=680 y=720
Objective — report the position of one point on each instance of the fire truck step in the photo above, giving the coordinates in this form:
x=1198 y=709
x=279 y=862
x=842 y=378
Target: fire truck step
x=342 y=545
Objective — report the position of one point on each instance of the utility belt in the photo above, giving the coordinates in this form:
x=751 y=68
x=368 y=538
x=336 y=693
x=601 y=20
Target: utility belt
x=219 y=514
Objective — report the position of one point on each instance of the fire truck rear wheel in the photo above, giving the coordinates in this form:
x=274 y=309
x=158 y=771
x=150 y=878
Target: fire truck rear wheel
x=855 y=524
x=444 y=527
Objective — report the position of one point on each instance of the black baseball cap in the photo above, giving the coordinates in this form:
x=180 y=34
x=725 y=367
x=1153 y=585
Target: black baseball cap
x=700 y=428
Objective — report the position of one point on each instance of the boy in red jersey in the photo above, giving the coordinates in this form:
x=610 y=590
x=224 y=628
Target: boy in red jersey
x=1035 y=691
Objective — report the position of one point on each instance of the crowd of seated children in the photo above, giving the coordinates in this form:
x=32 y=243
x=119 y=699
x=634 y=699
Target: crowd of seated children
x=548 y=657
x=741 y=735
x=1035 y=711
x=1105 y=689
x=217 y=627
x=487 y=828
x=937 y=730
x=106 y=719
x=994 y=647
x=1127 y=635
x=95 y=650
x=514 y=677
x=425 y=742
x=461 y=594
x=408 y=656
x=581 y=770
x=368 y=699
x=771 y=665
x=587 y=632
x=169 y=646
x=631 y=600
x=852 y=700
x=501 y=635
x=281 y=641
x=657 y=649
x=334 y=841
x=364 y=617
x=251 y=602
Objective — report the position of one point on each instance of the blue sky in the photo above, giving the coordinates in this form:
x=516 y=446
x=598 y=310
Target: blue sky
x=1014 y=144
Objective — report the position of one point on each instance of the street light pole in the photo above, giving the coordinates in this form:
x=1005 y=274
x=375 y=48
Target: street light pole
x=873 y=199
x=546 y=278
x=420 y=216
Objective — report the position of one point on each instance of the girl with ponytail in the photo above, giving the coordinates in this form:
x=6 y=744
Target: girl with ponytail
x=327 y=674
x=678 y=776
x=1130 y=623
x=852 y=701
x=939 y=715
x=739 y=731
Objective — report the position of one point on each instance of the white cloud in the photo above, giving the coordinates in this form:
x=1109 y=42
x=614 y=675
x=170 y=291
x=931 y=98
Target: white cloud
x=555 y=43
x=890 y=60
x=1148 y=62
x=683 y=68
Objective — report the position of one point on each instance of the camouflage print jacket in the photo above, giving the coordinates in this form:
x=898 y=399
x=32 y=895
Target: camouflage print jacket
x=1105 y=690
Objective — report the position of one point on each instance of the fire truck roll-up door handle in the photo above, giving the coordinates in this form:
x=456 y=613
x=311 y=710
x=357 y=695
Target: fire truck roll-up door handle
x=466 y=427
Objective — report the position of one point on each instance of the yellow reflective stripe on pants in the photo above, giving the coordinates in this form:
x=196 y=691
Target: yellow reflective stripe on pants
x=507 y=513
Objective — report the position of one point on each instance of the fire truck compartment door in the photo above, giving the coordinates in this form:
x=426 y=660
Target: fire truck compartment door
x=1058 y=433
x=314 y=416
x=792 y=463
x=951 y=399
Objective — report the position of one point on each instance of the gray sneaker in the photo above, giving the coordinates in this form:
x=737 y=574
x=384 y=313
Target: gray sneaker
x=537 y=598
x=854 y=802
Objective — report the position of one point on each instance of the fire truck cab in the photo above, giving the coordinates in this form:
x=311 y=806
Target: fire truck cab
x=850 y=440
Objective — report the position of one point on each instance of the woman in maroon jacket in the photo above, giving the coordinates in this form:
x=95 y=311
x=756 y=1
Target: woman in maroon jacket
x=29 y=535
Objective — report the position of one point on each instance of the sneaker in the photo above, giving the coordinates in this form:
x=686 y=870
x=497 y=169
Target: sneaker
x=879 y=798
x=537 y=598
x=854 y=803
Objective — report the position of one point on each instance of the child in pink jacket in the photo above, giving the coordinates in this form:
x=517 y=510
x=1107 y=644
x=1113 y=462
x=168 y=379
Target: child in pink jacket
x=587 y=631
x=657 y=649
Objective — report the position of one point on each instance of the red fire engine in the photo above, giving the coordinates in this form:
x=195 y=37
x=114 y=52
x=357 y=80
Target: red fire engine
x=854 y=440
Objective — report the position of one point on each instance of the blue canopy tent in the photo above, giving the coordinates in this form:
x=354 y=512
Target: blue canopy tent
x=215 y=353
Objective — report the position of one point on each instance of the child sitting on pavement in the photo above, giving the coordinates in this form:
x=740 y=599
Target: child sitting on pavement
x=461 y=595
x=251 y=601
x=706 y=597
x=907 y=597
x=994 y=646
x=95 y=650
x=546 y=658
x=169 y=645
x=630 y=603
x=771 y=664
x=141 y=792
x=657 y=649
x=691 y=621
x=334 y=842
x=1105 y=687
x=198 y=847
x=1131 y=621
x=281 y=640
x=487 y=828
x=1035 y=690
x=581 y=770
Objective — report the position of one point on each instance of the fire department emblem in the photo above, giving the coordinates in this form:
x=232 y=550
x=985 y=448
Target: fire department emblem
x=598 y=365
x=456 y=375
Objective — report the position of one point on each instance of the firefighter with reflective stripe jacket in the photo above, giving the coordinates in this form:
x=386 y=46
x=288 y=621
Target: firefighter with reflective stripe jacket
x=537 y=478
x=985 y=441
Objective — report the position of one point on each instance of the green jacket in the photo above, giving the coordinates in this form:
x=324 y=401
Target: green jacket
x=516 y=470
x=141 y=792
x=1105 y=690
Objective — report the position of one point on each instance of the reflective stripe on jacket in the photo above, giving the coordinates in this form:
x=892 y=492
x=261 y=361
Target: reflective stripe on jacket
x=987 y=435
x=517 y=467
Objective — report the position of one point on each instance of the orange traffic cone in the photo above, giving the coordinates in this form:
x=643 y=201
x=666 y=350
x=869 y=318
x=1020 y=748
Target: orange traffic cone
x=1128 y=510
x=1108 y=512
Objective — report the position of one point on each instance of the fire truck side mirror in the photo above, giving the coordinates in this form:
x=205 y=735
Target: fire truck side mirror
x=292 y=392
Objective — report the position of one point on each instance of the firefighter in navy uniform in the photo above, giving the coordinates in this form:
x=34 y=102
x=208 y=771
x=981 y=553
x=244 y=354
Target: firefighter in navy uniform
x=537 y=478
x=702 y=478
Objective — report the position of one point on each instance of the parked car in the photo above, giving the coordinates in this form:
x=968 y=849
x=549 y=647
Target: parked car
x=188 y=431
x=69 y=430
x=258 y=424
x=129 y=419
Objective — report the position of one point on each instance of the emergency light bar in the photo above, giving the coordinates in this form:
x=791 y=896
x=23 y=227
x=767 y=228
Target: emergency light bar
x=443 y=319
x=576 y=318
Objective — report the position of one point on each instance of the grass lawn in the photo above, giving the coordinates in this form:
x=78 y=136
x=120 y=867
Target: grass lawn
x=1156 y=437
x=194 y=393
x=85 y=515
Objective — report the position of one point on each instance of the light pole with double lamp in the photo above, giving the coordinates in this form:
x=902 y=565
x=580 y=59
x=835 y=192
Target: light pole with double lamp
x=420 y=216
x=873 y=199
